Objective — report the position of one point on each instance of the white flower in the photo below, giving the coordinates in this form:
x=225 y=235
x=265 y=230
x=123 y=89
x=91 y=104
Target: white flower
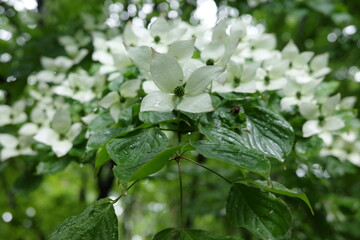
x=61 y=135
x=134 y=35
x=271 y=75
x=13 y=146
x=264 y=48
x=302 y=71
x=298 y=60
x=159 y=36
x=348 y=102
x=219 y=48
x=29 y=129
x=14 y=114
x=344 y=150
x=320 y=117
x=318 y=65
x=175 y=90
x=295 y=93
x=73 y=45
x=58 y=64
x=49 y=76
x=181 y=50
x=240 y=78
x=116 y=102
x=80 y=86
x=111 y=53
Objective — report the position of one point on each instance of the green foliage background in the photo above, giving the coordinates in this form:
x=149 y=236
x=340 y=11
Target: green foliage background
x=60 y=190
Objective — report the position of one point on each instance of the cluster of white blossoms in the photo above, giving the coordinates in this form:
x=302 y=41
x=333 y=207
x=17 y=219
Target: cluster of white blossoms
x=180 y=67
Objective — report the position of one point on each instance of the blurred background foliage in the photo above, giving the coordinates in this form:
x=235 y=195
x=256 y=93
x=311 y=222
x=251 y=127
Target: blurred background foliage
x=32 y=205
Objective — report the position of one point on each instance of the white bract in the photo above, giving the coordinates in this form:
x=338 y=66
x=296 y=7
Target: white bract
x=271 y=75
x=240 y=78
x=218 y=48
x=181 y=50
x=176 y=91
x=115 y=102
x=320 y=117
x=110 y=53
x=160 y=35
x=80 y=86
x=61 y=135
x=344 y=150
x=73 y=45
x=296 y=93
x=12 y=146
x=58 y=64
x=13 y=114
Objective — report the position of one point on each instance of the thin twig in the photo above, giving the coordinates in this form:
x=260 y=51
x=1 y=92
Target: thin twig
x=210 y=170
x=123 y=194
x=181 y=194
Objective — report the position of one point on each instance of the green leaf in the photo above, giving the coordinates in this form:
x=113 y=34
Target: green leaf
x=175 y=234
x=99 y=138
x=168 y=234
x=309 y=147
x=236 y=155
x=156 y=163
x=156 y=117
x=102 y=157
x=261 y=213
x=114 y=85
x=281 y=189
x=27 y=182
x=103 y=120
x=324 y=6
x=132 y=152
x=53 y=165
x=269 y=133
x=220 y=134
x=126 y=115
x=234 y=96
x=97 y=222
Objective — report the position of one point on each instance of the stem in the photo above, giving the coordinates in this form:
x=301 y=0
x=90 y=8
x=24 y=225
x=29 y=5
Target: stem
x=123 y=194
x=181 y=194
x=210 y=170
x=178 y=127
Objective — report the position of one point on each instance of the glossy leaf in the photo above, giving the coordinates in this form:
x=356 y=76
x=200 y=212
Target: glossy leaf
x=132 y=152
x=268 y=133
x=103 y=120
x=261 y=213
x=53 y=165
x=281 y=189
x=156 y=163
x=156 y=117
x=99 y=138
x=97 y=222
x=220 y=134
x=175 y=234
x=237 y=155
x=102 y=157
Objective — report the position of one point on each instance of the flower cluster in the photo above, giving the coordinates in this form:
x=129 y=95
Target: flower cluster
x=178 y=67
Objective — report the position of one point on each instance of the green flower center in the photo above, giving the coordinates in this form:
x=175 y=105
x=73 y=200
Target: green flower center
x=179 y=91
x=122 y=99
x=267 y=80
x=156 y=39
x=298 y=95
x=210 y=62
